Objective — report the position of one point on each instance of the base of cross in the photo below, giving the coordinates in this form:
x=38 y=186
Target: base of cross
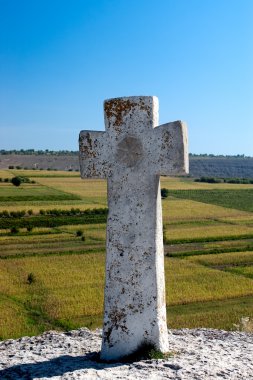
x=132 y=154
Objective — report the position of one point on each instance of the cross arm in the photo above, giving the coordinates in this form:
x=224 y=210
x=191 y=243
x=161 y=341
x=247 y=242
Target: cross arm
x=172 y=148
x=93 y=156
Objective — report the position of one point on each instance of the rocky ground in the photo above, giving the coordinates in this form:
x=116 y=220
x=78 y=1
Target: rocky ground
x=195 y=354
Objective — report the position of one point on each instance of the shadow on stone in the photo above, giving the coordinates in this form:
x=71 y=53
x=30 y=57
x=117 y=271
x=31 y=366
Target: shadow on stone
x=145 y=351
x=55 y=367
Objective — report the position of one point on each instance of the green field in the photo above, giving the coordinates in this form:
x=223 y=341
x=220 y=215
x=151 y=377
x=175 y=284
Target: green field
x=208 y=253
x=32 y=192
x=241 y=199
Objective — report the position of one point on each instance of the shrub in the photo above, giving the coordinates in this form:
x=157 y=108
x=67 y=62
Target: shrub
x=79 y=233
x=10 y=167
x=14 y=230
x=42 y=212
x=17 y=214
x=29 y=228
x=147 y=351
x=16 y=181
x=31 y=278
x=83 y=238
x=208 y=180
x=30 y=212
x=165 y=240
x=245 y=324
x=164 y=193
x=6 y=180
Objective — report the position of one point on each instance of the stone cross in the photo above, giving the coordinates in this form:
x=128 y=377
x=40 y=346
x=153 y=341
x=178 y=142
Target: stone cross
x=132 y=154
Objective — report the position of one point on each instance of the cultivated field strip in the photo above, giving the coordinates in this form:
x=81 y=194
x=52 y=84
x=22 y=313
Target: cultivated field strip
x=224 y=259
x=186 y=282
x=218 y=230
x=241 y=199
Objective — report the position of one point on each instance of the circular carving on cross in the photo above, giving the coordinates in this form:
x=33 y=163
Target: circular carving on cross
x=129 y=151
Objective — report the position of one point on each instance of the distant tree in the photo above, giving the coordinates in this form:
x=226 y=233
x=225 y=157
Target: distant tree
x=16 y=181
x=14 y=230
x=31 y=278
x=164 y=193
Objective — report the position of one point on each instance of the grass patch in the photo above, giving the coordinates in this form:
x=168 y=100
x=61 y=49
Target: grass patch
x=188 y=281
x=31 y=192
x=237 y=199
x=222 y=314
x=146 y=351
x=246 y=271
x=208 y=239
x=16 y=320
x=225 y=259
x=189 y=210
x=78 y=301
x=214 y=251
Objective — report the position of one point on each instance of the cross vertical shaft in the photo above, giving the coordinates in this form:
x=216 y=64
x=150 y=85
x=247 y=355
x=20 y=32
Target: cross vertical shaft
x=132 y=154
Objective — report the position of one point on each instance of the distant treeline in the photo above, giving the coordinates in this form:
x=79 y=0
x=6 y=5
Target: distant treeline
x=74 y=153
x=51 y=218
x=245 y=181
x=39 y=152
x=204 y=155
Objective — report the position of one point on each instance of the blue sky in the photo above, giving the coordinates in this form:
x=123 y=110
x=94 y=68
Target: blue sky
x=60 y=59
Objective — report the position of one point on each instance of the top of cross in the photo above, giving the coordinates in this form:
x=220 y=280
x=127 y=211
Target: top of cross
x=133 y=142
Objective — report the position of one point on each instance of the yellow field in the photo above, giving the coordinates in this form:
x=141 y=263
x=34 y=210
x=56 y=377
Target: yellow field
x=234 y=258
x=92 y=191
x=6 y=174
x=81 y=294
x=42 y=173
x=189 y=282
x=69 y=272
x=187 y=184
x=184 y=210
x=190 y=232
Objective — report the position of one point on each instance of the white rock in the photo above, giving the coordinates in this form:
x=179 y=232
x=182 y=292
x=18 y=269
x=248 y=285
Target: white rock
x=197 y=354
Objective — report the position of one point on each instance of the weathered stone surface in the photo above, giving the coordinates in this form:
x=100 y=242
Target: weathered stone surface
x=196 y=354
x=132 y=153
